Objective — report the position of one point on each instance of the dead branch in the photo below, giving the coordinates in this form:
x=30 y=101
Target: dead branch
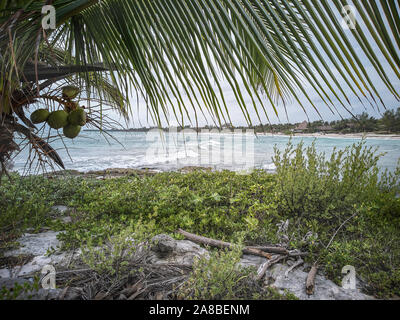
x=40 y=143
x=310 y=282
x=338 y=229
x=299 y=262
x=264 y=267
x=221 y=244
x=295 y=253
x=277 y=250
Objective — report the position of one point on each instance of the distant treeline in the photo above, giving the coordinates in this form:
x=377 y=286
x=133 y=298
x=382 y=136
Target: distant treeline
x=389 y=123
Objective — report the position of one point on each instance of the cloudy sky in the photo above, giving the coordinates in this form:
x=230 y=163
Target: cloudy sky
x=295 y=113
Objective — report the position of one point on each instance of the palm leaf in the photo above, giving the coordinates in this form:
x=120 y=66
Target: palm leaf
x=168 y=49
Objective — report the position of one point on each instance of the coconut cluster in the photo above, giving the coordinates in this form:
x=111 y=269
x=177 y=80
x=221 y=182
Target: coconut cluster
x=71 y=121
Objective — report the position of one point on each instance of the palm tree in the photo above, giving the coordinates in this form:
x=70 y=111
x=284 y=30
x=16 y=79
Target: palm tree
x=163 y=49
x=391 y=121
x=365 y=122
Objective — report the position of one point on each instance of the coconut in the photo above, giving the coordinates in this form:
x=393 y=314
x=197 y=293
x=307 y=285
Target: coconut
x=58 y=119
x=70 y=92
x=77 y=117
x=40 y=115
x=71 y=130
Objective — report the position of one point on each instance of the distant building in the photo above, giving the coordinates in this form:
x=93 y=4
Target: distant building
x=227 y=126
x=301 y=127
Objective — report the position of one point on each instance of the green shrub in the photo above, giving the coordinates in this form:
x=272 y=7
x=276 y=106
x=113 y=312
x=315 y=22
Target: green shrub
x=219 y=277
x=26 y=289
x=114 y=256
x=311 y=186
x=216 y=204
x=345 y=201
x=215 y=277
x=329 y=191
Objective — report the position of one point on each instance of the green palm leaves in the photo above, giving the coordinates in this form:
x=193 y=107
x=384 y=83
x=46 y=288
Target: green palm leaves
x=167 y=50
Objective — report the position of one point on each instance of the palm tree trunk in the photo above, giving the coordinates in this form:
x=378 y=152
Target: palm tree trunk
x=7 y=147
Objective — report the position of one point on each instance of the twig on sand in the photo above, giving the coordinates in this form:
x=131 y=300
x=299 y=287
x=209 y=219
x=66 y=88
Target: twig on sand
x=264 y=267
x=299 y=262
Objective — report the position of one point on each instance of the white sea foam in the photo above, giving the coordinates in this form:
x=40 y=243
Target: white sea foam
x=171 y=156
x=269 y=167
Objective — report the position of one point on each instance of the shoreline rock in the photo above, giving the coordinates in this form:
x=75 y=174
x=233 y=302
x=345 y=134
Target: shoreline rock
x=38 y=246
x=295 y=280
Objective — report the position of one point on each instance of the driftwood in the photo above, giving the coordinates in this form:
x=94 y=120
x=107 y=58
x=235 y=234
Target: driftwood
x=298 y=254
x=264 y=267
x=222 y=244
x=260 y=251
x=299 y=262
x=310 y=282
x=277 y=250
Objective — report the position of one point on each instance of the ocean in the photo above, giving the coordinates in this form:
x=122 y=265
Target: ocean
x=170 y=151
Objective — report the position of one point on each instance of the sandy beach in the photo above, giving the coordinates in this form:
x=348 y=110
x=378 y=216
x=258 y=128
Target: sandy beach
x=370 y=135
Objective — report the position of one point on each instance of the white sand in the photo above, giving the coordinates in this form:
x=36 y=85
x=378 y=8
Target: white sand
x=338 y=135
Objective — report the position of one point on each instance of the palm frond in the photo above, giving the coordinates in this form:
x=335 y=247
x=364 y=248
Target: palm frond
x=167 y=50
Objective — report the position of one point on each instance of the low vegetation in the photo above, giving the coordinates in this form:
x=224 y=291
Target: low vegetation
x=342 y=210
x=389 y=123
x=219 y=277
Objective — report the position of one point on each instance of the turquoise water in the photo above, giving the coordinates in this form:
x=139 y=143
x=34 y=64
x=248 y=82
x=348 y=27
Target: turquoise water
x=91 y=151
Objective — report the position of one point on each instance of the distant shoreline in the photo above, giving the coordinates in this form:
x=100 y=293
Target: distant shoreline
x=359 y=135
